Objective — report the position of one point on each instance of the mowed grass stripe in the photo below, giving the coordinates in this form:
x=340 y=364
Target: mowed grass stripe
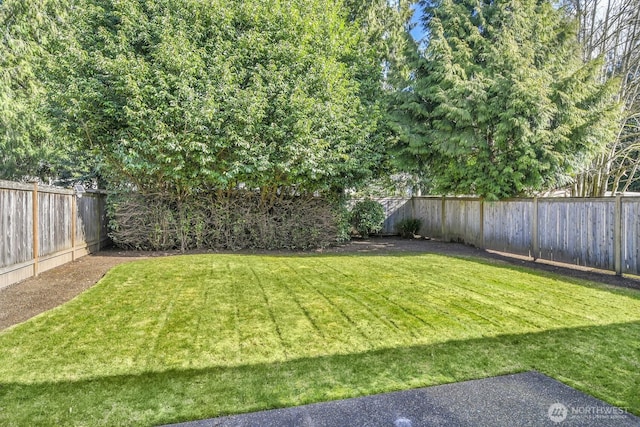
x=465 y=320
x=402 y=316
x=533 y=311
x=216 y=309
x=354 y=306
x=470 y=300
x=416 y=299
x=298 y=331
x=552 y=302
x=182 y=336
x=550 y=305
x=350 y=331
x=327 y=319
x=336 y=327
x=259 y=338
x=304 y=301
x=557 y=290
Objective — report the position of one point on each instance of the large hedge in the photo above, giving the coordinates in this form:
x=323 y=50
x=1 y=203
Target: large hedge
x=223 y=220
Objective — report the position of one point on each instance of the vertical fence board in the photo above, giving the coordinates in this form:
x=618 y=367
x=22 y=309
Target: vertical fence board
x=91 y=222
x=631 y=236
x=54 y=222
x=462 y=221
x=508 y=226
x=577 y=231
x=16 y=227
x=429 y=211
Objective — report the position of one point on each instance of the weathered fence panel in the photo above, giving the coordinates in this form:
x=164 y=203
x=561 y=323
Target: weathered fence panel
x=16 y=232
x=600 y=233
x=42 y=228
x=508 y=226
x=577 y=231
x=462 y=220
x=429 y=211
x=54 y=221
x=91 y=227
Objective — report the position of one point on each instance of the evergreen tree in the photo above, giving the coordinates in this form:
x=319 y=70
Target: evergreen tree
x=386 y=26
x=33 y=35
x=500 y=103
x=25 y=136
x=183 y=94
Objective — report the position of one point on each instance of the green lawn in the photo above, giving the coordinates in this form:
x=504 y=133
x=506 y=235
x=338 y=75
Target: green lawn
x=190 y=337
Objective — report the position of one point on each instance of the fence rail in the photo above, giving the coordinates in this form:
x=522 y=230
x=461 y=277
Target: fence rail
x=43 y=227
x=601 y=233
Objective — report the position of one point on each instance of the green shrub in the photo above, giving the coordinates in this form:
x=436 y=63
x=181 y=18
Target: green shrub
x=343 y=217
x=408 y=227
x=367 y=217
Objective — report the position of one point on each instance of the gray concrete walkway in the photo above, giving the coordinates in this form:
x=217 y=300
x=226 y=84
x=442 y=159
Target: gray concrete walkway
x=526 y=399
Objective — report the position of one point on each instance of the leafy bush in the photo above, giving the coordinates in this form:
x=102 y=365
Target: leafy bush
x=343 y=217
x=367 y=217
x=408 y=227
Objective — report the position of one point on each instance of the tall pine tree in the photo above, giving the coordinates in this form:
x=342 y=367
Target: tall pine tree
x=500 y=104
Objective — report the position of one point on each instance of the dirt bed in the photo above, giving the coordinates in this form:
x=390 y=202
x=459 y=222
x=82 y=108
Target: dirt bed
x=52 y=288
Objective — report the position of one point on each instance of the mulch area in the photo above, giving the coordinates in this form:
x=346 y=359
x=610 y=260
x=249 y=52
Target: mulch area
x=52 y=288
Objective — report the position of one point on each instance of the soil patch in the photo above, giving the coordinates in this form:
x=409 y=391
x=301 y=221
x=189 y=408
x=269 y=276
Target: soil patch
x=52 y=288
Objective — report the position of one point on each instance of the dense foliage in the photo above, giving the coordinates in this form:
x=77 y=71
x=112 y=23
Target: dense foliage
x=367 y=217
x=259 y=106
x=183 y=101
x=610 y=29
x=32 y=35
x=283 y=101
x=409 y=227
x=181 y=95
x=501 y=103
x=230 y=220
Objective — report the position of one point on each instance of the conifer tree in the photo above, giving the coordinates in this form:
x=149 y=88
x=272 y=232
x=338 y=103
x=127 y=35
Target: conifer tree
x=500 y=103
x=26 y=144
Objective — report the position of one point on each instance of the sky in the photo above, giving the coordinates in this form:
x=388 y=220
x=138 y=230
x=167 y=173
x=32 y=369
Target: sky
x=418 y=32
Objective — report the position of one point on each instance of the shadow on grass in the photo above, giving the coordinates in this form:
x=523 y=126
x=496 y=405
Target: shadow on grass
x=602 y=361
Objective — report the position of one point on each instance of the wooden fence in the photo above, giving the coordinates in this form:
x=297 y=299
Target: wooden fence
x=43 y=227
x=395 y=209
x=602 y=233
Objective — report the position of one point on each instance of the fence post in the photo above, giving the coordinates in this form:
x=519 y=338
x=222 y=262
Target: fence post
x=617 y=236
x=442 y=219
x=74 y=212
x=36 y=242
x=481 y=224
x=100 y=204
x=535 y=243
